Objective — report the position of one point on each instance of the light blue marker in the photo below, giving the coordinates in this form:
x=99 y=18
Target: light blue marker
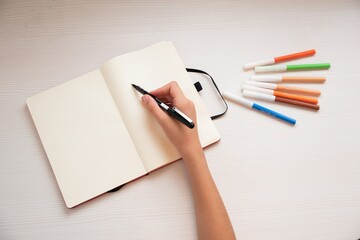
x=258 y=107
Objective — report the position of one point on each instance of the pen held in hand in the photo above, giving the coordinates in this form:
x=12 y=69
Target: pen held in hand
x=172 y=111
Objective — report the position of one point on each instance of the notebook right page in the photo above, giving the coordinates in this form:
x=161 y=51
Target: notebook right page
x=152 y=68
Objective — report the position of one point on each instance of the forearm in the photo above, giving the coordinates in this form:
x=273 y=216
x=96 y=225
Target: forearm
x=211 y=217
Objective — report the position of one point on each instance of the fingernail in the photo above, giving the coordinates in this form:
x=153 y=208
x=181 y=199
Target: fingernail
x=145 y=98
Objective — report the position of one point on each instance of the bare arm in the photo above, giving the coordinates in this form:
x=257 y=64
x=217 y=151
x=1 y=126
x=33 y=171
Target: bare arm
x=212 y=219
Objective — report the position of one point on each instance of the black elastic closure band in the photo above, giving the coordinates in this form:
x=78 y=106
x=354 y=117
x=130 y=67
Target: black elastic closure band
x=193 y=70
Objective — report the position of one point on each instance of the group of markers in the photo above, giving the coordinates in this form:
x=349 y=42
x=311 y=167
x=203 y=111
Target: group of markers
x=266 y=88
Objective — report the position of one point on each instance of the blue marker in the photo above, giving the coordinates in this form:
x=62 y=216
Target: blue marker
x=258 y=107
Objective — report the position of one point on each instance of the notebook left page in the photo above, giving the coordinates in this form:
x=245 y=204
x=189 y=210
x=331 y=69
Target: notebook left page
x=86 y=141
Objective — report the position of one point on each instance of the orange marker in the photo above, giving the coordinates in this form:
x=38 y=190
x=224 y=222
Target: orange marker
x=303 y=79
x=284 y=58
x=295 y=56
x=301 y=98
x=284 y=88
x=270 y=98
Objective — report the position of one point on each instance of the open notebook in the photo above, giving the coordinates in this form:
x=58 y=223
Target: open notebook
x=95 y=131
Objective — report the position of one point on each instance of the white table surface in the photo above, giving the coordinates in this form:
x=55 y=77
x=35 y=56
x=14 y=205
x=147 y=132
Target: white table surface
x=277 y=181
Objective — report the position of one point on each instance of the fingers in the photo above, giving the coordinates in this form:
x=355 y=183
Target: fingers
x=150 y=104
x=169 y=91
x=154 y=108
x=172 y=95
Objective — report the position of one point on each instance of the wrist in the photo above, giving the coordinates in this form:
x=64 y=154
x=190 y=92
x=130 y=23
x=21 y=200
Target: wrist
x=189 y=148
x=193 y=153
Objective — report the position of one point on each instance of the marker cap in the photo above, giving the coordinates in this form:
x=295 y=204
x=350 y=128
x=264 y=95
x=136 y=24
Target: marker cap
x=257 y=89
x=238 y=99
x=260 y=96
x=259 y=63
x=262 y=84
x=279 y=68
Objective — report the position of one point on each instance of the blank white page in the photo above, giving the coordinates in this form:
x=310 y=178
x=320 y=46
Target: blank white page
x=87 y=143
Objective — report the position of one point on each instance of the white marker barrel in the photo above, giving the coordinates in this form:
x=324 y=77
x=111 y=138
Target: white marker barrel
x=261 y=84
x=259 y=63
x=280 y=68
x=237 y=99
x=260 y=96
x=260 y=90
x=266 y=78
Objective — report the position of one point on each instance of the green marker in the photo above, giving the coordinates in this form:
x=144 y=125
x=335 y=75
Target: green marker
x=296 y=67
